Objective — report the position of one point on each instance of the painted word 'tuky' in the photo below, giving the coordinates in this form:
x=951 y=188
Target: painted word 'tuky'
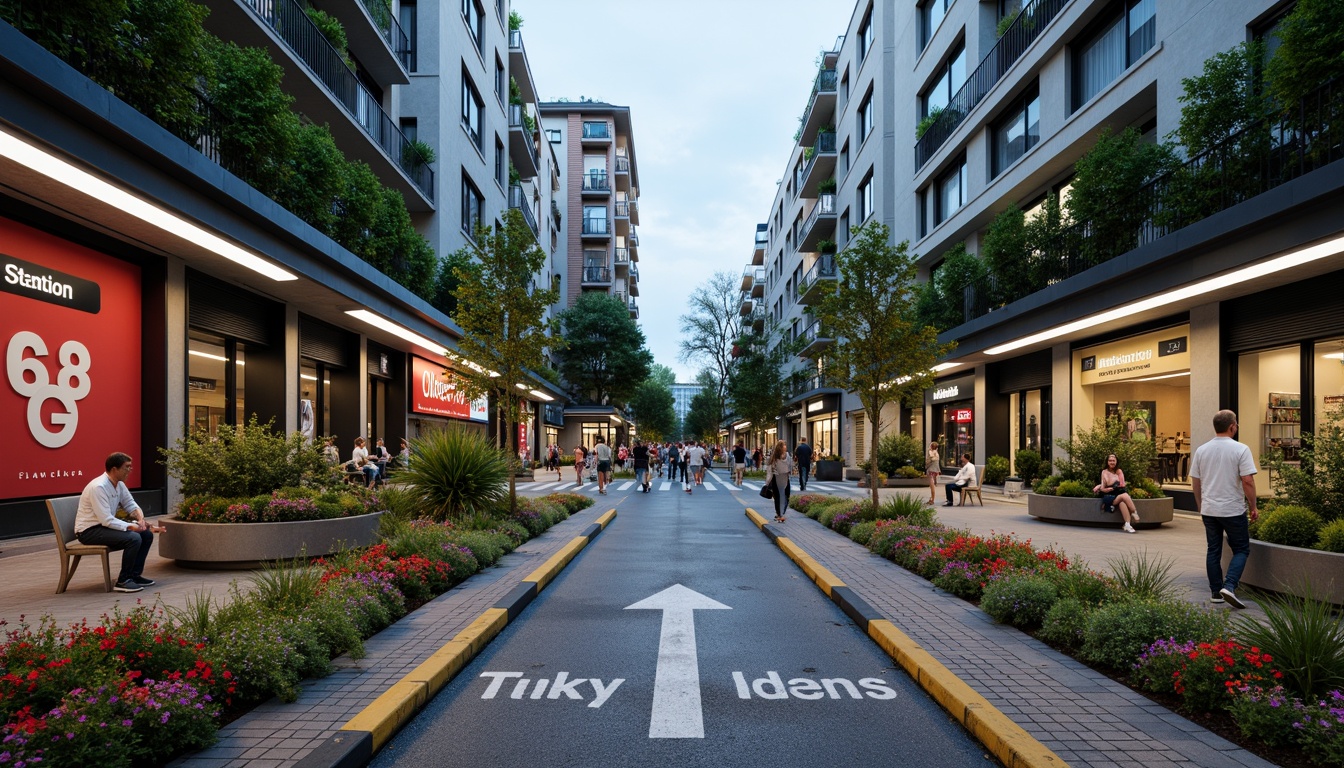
x=562 y=686
x=772 y=687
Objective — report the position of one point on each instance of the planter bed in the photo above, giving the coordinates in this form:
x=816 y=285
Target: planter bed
x=1086 y=511
x=1280 y=568
x=899 y=482
x=244 y=546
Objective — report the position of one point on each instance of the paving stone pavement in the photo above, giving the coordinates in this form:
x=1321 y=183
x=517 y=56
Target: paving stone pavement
x=1085 y=717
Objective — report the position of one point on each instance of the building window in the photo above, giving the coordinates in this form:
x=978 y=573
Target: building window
x=499 y=80
x=595 y=220
x=930 y=16
x=951 y=192
x=471 y=109
x=474 y=16
x=1100 y=58
x=863 y=198
x=216 y=368
x=501 y=165
x=844 y=228
x=553 y=135
x=951 y=75
x=865 y=35
x=596 y=129
x=410 y=25
x=472 y=203
x=410 y=128
x=844 y=160
x=865 y=117
x=1018 y=131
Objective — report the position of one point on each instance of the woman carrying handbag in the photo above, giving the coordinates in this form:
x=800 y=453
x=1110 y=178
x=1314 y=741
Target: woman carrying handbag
x=777 y=470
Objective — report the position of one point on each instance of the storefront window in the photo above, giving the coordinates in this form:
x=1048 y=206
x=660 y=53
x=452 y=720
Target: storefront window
x=215 y=379
x=1028 y=427
x=593 y=429
x=956 y=421
x=1269 y=406
x=314 y=399
x=1329 y=384
x=823 y=436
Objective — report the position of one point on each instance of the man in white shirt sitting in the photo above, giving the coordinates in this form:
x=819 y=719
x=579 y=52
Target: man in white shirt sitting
x=96 y=522
x=965 y=478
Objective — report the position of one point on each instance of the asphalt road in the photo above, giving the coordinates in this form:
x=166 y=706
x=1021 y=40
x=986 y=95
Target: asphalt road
x=782 y=676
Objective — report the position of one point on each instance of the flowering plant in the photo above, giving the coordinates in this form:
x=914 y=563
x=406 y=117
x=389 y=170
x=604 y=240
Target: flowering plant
x=1205 y=675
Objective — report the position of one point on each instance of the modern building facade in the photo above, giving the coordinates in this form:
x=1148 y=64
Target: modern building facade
x=682 y=393
x=150 y=291
x=934 y=118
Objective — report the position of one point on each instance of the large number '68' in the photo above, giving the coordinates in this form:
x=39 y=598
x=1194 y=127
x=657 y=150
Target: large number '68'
x=72 y=384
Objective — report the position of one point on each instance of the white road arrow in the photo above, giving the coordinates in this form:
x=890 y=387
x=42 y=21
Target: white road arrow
x=676 y=687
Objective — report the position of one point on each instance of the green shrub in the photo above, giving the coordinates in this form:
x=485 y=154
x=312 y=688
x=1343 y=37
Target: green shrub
x=1074 y=489
x=828 y=512
x=1139 y=576
x=803 y=502
x=487 y=547
x=1147 y=488
x=901 y=507
x=456 y=472
x=908 y=473
x=1047 y=485
x=1028 y=464
x=862 y=533
x=1292 y=526
x=1020 y=599
x=1116 y=633
x=1332 y=537
x=895 y=451
x=1065 y=623
x=1083 y=457
x=1266 y=716
x=1304 y=636
x=574 y=502
x=1079 y=583
x=996 y=470
x=245 y=460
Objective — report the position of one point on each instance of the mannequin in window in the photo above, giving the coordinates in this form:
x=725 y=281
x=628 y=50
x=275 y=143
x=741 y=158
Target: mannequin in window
x=1031 y=433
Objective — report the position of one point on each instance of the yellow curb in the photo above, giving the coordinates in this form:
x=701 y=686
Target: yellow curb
x=1007 y=740
x=814 y=570
x=606 y=518
x=385 y=716
x=756 y=518
x=552 y=567
x=442 y=666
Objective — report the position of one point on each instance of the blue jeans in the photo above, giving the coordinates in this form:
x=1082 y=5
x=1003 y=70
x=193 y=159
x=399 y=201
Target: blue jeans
x=136 y=544
x=804 y=469
x=1238 y=538
x=640 y=473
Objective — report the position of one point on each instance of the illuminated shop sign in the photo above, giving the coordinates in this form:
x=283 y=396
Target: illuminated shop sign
x=963 y=416
x=70 y=331
x=1139 y=357
x=435 y=391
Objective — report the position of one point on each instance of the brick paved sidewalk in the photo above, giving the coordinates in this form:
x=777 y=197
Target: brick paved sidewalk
x=1084 y=716
x=278 y=734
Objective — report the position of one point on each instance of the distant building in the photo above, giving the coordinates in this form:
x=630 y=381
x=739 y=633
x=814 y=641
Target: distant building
x=681 y=397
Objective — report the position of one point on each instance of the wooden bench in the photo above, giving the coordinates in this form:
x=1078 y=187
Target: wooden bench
x=62 y=513
x=968 y=490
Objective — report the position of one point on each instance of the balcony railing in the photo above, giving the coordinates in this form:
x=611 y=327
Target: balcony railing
x=622 y=255
x=599 y=227
x=518 y=199
x=517 y=119
x=814 y=339
x=596 y=181
x=812 y=233
x=1258 y=158
x=622 y=164
x=634 y=237
x=386 y=22
x=288 y=19
x=597 y=275
x=824 y=146
x=622 y=209
x=597 y=130
x=807 y=384
x=555 y=211
x=1030 y=23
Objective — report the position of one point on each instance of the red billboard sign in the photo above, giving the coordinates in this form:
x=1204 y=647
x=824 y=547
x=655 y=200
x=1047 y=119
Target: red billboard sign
x=962 y=416
x=434 y=391
x=70 y=330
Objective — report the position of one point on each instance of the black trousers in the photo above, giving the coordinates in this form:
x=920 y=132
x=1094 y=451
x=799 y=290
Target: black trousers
x=781 y=500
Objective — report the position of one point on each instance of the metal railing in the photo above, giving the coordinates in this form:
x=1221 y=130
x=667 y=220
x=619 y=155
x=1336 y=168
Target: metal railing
x=597 y=274
x=634 y=237
x=555 y=211
x=289 y=20
x=596 y=181
x=622 y=164
x=622 y=209
x=516 y=120
x=1031 y=21
x=596 y=130
x=596 y=227
x=807 y=384
x=822 y=270
x=622 y=255
x=813 y=334
x=518 y=199
x=825 y=144
x=1256 y=159
x=386 y=22
x=825 y=207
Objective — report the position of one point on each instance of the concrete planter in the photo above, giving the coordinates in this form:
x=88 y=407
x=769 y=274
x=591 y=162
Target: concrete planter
x=1086 y=511
x=829 y=471
x=899 y=482
x=228 y=546
x=1280 y=568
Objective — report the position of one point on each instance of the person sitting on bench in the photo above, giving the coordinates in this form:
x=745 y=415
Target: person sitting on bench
x=965 y=478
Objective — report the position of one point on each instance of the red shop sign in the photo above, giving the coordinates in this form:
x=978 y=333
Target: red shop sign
x=962 y=416
x=70 y=329
x=434 y=391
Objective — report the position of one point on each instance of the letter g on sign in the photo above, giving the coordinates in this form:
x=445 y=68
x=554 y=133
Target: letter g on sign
x=72 y=384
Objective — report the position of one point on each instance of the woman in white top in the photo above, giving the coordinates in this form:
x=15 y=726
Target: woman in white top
x=777 y=470
x=933 y=466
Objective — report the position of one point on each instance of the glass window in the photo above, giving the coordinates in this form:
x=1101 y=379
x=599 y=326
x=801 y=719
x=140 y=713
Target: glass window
x=596 y=129
x=865 y=35
x=1100 y=58
x=930 y=16
x=474 y=16
x=951 y=190
x=1019 y=131
x=216 y=374
x=844 y=160
x=553 y=135
x=471 y=109
x=866 y=116
x=1269 y=386
x=499 y=80
x=1329 y=384
x=501 y=166
x=864 y=198
x=410 y=25
x=592 y=430
x=950 y=79
x=472 y=203
x=314 y=398
x=595 y=220
x=824 y=432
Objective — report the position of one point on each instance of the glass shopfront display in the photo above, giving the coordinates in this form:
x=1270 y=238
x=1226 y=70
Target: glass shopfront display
x=216 y=375
x=1328 y=386
x=951 y=406
x=1269 y=407
x=1029 y=423
x=314 y=398
x=824 y=432
x=1143 y=381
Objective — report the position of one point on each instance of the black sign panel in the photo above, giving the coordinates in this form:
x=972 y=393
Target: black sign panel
x=34 y=281
x=1172 y=347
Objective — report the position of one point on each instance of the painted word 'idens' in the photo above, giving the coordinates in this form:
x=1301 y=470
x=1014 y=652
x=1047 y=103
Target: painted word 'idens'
x=773 y=687
x=562 y=686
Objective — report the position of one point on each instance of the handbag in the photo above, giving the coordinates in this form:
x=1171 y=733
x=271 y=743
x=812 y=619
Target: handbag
x=768 y=490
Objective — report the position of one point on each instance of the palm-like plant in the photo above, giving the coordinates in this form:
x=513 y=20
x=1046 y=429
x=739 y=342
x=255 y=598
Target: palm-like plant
x=456 y=472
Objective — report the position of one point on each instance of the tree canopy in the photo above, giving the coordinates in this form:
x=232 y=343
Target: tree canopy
x=709 y=331
x=605 y=359
x=654 y=412
x=757 y=388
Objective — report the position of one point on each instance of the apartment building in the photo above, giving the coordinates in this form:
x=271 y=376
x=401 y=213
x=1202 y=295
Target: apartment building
x=948 y=112
x=150 y=290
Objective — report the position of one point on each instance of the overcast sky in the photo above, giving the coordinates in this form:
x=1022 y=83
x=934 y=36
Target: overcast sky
x=715 y=89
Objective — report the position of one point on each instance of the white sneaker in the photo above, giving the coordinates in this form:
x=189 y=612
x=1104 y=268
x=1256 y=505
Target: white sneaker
x=1129 y=528
x=1135 y=516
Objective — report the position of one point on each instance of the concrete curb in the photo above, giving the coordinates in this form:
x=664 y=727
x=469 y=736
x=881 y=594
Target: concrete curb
x=1007 y=740
x=355 y=744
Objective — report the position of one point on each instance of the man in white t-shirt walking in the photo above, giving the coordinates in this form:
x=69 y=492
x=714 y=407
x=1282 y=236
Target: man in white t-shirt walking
x=1222 y=476
x=603 y=452
x=695 y=464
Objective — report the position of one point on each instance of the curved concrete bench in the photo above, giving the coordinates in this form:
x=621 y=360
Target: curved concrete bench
x=1087 y=511
x=228 y=546
x=1293 y=570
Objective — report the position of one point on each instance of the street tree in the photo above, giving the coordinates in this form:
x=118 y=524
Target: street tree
x=704 y=415
x=757 y=388
x=663 y=375
x=709 y=331
x=654 y=412
x=881 y=352
x=605 y=359
x=501 y=312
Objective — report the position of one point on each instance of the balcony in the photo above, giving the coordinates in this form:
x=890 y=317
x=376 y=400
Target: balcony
x=746 y=305
x=596 y=182
x=1030 y=23
x=634 y=239
x=820 y=223
x=748 y=278
x=762 y=240
x=820 y=106
x=758 y=283
x=519 y=67
x=634 y=281
x=634 y=308
x=599 y=228
x=622 y=215
x=634 y=211
x=518 y=199
x=375 y=37
x=596 y=275
x=807 y=384
x=326 y=90
x=596 y=132
x=622 y=257
x=555 y=212
x=522 y=143
x=820 y=164
x=756 y=320
x=814 y=341
x=623 y=173
x=817 y=280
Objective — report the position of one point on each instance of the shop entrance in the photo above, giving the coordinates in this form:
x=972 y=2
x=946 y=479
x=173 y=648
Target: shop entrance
x=957 y=422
